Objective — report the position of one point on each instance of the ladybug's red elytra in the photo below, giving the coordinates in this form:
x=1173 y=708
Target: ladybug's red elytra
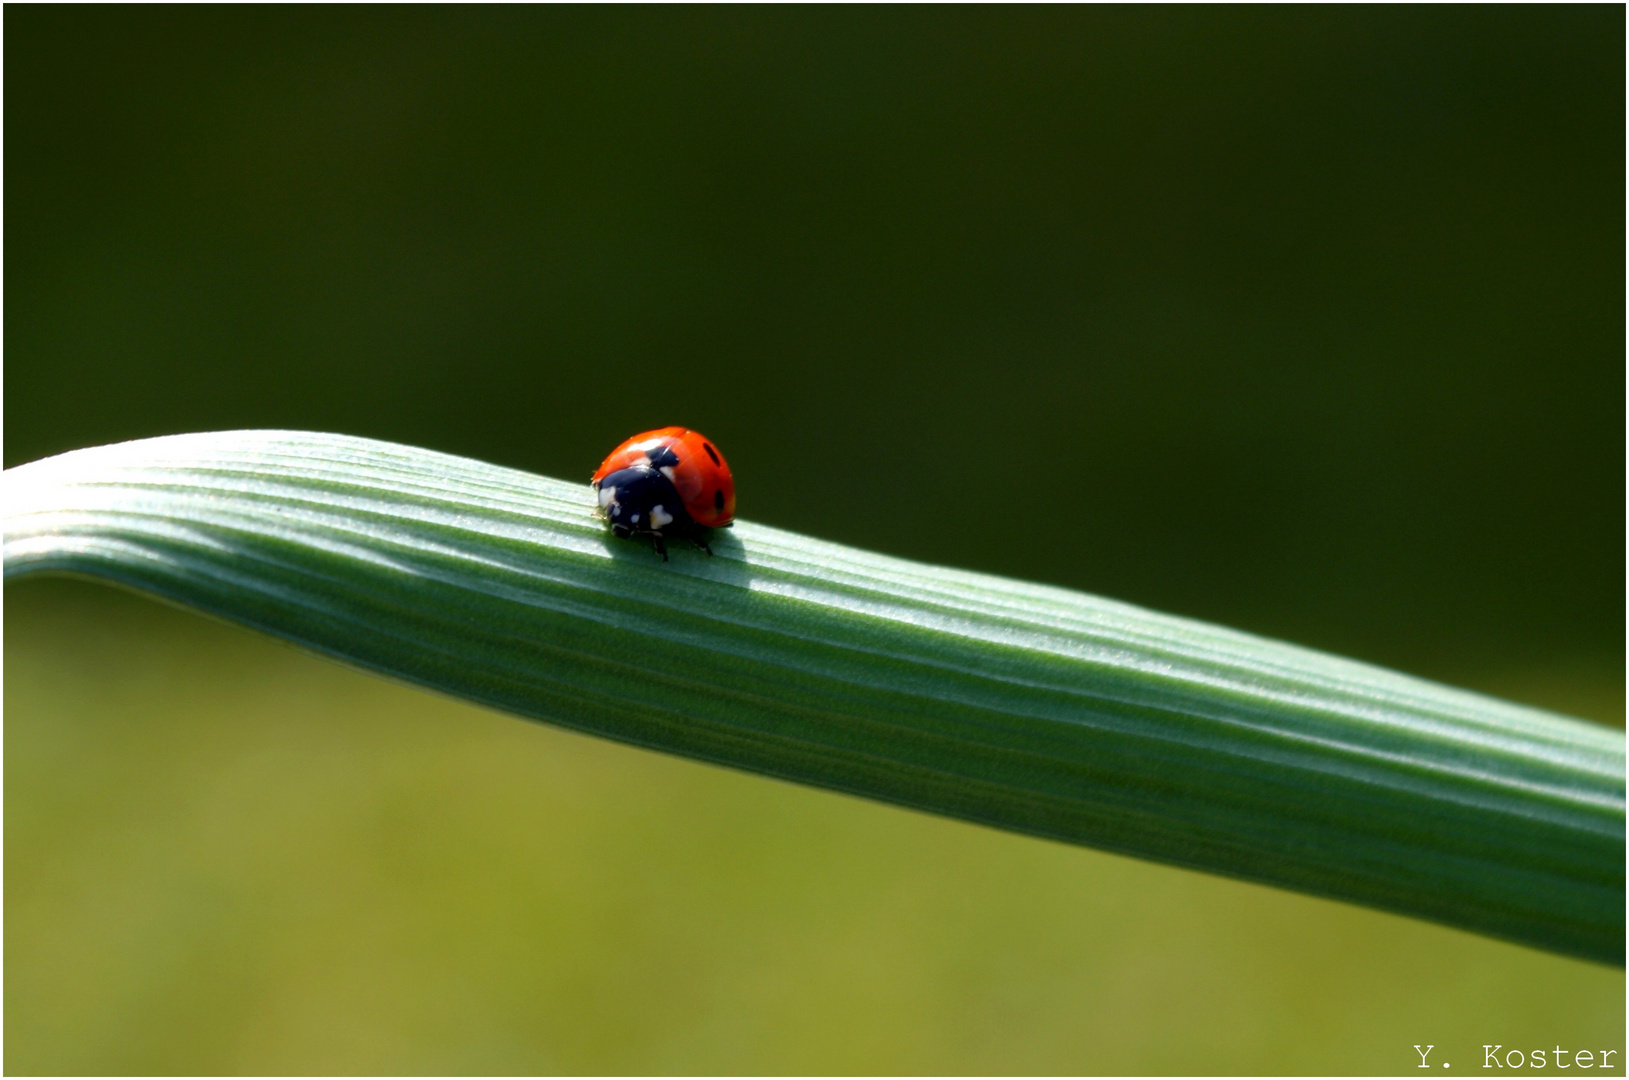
x=667 y=482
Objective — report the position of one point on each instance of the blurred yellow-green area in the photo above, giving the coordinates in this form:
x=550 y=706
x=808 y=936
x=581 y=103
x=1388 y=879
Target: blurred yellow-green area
x=1307 y=321
x=224 y=856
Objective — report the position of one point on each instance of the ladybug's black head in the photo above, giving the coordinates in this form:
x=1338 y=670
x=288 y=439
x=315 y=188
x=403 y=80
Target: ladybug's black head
x=641 y=499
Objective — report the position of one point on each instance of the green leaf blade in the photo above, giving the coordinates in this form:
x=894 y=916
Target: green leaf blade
x=1016 y=705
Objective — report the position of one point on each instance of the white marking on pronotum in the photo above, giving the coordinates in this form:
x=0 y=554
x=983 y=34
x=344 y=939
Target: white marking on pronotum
x=667 y=471
x=608 y=495
x=636 y=519
x=659 y=517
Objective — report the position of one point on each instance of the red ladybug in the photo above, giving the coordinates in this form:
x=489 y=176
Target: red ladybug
x=667 y=482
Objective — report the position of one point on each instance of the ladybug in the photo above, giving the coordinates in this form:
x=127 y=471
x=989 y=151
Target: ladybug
x=667 y=482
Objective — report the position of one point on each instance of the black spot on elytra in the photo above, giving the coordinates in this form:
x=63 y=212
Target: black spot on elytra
x=718 y=500
x=712 y=454
x=662 y=457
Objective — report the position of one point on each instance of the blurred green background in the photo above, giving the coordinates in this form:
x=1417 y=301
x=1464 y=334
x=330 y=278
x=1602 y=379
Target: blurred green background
x=1306 y=321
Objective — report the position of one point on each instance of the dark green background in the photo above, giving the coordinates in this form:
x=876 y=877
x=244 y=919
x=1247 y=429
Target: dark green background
x=1309 y=321
x=1305 y=320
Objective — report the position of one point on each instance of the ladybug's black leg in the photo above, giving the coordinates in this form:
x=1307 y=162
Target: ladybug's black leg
x=701 y=542
x=661 y=546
